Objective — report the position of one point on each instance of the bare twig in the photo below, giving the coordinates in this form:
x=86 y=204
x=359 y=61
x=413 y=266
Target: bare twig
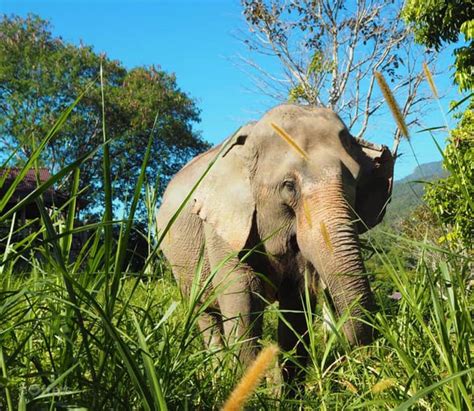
x=328 y=52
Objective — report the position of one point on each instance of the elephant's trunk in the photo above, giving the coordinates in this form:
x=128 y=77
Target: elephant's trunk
x=327 y=237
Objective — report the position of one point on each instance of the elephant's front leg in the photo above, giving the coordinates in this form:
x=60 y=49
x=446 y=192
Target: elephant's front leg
x=293 y=330
x=239 y=292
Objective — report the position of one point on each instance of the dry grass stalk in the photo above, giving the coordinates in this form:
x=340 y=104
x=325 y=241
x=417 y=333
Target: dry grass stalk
x=287 y=138
x=325 y=234
x=429 y=78
x=396 y=112
x=250 y=379
x=307 y=214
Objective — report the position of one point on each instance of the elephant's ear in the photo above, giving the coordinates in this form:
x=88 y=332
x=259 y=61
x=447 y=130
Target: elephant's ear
x=224 y=199
x=374 y=188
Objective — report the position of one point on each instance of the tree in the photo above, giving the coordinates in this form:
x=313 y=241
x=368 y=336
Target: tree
x=438 y=22
x=41 y=75
x=451 y=198
x=329 y=50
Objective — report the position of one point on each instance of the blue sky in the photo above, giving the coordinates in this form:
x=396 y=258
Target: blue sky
x=195 y=39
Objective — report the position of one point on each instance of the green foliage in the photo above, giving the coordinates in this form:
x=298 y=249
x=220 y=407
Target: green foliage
x=148 y=353
x=421 y=224
x=435 y=22
x=319 y=64
x=41 y=75
x=87 y=332
x=81 y=330
x=407 y=215
x=296 y=94
x=452 y=198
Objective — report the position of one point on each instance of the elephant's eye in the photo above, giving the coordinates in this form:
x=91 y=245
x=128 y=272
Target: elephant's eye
x=290 y=186
x=289 y=192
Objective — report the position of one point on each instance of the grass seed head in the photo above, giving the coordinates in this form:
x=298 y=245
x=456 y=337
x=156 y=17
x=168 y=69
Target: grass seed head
x=350 y=387
x=383 y=385
x=429 y=78
x=250 y=380
x=290 y=140
x=392 y=104
x=307 y=214
x=326 y=237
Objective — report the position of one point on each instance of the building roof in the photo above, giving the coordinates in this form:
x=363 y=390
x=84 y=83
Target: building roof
x=28 y=184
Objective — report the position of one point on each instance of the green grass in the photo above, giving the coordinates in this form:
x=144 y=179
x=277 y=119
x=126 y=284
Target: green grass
x=147 y=355
x=78 y=329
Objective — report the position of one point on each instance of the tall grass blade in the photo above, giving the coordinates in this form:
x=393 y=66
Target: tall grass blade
x=420 y=394
x=107 y=218
x=123 y=239
x=150 y=369
x=61 y=265
x=3 y=367
x=460 y=102
x=71 y=214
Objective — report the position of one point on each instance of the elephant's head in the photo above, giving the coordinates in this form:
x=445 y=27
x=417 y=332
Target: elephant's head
x=310 y=187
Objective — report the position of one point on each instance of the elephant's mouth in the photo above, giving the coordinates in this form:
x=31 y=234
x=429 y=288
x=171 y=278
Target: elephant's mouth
x=293 y=245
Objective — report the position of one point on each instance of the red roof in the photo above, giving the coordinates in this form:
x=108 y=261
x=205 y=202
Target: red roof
x=29 y=184
x=30 y=178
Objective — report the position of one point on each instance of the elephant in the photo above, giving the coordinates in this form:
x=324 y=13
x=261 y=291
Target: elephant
x=296 y=189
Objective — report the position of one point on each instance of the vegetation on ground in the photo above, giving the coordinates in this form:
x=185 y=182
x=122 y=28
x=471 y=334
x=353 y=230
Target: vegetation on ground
x=89 y=332
x=85 y=329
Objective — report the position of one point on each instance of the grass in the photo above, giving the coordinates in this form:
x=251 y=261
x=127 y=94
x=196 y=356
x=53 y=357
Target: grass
x=87 y=333
x=147 y=356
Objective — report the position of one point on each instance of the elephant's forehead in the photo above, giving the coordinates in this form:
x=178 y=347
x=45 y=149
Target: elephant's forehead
x=295 y=111
x=304 y=128
x=323 y=145
x=309 y=135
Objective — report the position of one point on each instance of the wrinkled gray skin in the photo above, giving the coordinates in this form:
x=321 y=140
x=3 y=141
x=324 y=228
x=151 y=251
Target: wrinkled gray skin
x=261 y=188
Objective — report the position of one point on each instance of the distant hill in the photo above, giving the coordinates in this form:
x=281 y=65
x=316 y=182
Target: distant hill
x=408 y=192
x=428 y=171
